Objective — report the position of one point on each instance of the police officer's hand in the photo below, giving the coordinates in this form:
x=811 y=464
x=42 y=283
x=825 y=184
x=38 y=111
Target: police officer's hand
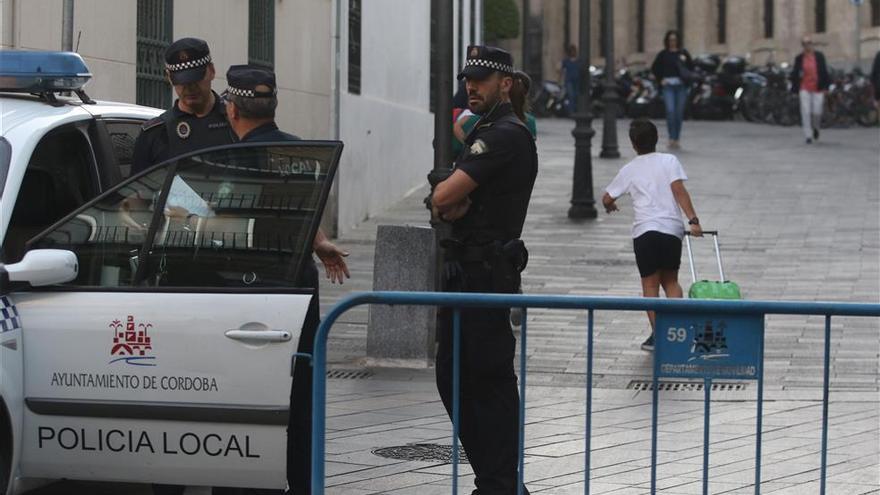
x=456 y=211
x=333 y=260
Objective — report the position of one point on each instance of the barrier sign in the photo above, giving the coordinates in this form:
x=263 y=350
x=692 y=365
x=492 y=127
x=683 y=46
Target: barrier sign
x=709 y=346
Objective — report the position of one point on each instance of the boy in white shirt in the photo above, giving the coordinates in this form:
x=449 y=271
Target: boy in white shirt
x=656 y=183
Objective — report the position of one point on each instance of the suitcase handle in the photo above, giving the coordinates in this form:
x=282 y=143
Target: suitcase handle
x=714 y=234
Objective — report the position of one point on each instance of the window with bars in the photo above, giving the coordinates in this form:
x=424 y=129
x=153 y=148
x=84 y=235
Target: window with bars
x=768 y=18
x=640 y=26
x=154 y=21
x=354 y=46
x=603 y=32
x=261 y=33
x=679 y=21
x=820 y=16
x=722 y=22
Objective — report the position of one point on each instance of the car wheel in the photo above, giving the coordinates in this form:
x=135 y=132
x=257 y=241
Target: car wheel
x=5 y=468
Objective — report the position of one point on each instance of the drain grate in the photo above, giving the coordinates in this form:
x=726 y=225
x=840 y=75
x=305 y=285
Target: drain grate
x=674 y=386
x=422 y=452
x=603 y=262
x=348 y=374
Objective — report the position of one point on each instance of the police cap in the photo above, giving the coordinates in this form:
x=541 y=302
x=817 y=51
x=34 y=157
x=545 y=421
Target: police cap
x=186 y=60
x=249 y=81
x=483 y=60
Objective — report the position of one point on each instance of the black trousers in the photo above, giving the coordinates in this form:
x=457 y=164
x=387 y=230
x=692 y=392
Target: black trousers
x=299 y=426
x=489 y=417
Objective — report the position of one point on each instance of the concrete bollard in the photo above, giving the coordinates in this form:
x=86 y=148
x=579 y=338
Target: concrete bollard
x=405 y=260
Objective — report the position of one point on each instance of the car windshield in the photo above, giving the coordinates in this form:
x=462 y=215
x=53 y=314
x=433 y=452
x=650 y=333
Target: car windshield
x=5 y=154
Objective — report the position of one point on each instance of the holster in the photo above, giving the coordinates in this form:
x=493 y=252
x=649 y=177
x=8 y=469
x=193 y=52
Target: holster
x=505 y=260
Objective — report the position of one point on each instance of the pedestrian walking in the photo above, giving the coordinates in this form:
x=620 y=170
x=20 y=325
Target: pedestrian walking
x=486 y=199
x=673 y=69
x=810 y=80
x=197 y=120
x=655 y=181
x=251 y=100
x=570 y=78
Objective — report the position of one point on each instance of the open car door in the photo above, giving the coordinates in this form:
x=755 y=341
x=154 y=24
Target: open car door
x=168 y=359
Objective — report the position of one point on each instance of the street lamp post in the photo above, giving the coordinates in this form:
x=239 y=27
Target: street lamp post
x=582 y=203
x=609 y=93
x=443 y=90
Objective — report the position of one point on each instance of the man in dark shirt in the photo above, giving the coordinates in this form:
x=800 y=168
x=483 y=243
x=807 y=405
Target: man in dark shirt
x=486 y=199
x=251 y=100
x=198 y=118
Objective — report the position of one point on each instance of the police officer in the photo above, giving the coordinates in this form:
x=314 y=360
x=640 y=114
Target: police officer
x=251 y=99
x=196 y=121
x=486 y=198
x=198 y=118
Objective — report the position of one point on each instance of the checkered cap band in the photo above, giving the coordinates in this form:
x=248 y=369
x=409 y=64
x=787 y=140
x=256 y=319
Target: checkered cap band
x=192 y=64
x=247 y=93
x=489 y=64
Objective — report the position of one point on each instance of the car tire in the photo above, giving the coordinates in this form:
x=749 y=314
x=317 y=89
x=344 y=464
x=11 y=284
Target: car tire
x=5 y=463
x=5 y=448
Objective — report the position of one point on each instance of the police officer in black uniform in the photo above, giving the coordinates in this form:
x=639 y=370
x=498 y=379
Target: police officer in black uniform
x=251 y=100
x=486 y=198
x=196 y=121
x=198 y=118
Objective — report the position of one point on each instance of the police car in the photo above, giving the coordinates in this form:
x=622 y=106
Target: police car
x=147 y=323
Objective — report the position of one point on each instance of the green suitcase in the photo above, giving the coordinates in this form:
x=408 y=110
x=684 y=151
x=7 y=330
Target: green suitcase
x=709 y=289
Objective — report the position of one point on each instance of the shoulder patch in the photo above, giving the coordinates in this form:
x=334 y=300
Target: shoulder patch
x=156 y=121
x=479 y=147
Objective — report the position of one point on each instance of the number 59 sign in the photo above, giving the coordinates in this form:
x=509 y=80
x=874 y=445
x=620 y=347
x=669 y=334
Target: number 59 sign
x=709 y=346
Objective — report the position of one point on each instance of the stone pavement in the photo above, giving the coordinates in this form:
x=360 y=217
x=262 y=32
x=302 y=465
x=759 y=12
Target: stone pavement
x=797 y=222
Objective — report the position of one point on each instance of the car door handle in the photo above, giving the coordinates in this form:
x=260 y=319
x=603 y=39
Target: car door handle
x=259 y=335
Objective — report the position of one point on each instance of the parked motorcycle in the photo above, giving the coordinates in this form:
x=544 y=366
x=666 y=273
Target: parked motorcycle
x=550 y=100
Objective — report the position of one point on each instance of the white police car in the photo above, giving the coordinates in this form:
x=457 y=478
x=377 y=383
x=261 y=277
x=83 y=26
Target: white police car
x=147 y=323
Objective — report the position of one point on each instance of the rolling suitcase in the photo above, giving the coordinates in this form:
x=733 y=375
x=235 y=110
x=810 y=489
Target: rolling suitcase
x=709 y=289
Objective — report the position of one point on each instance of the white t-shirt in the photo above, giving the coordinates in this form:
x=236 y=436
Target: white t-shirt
x=648 y=180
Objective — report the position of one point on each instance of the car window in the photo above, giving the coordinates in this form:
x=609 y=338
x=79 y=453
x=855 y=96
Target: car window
x=123 y=134
x=60 y=177
x=238 y=216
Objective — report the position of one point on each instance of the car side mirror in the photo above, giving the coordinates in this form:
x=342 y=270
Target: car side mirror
x=44 y=267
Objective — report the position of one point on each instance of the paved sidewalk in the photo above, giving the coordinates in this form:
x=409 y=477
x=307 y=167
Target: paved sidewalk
x=797 y=223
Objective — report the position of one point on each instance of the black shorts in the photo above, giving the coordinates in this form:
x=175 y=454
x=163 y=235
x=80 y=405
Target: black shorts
x=657 y=251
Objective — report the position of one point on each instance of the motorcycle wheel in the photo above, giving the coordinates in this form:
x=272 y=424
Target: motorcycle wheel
x=868 y=117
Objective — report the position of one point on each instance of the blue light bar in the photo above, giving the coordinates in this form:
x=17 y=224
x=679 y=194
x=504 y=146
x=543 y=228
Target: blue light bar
x=42 y=72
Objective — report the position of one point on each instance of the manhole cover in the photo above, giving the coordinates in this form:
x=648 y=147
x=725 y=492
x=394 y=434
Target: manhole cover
x=348 y=374
x=421 y=452
x=674 y=386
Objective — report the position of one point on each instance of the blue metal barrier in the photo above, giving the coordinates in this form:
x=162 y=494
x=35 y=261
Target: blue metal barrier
x=663 y=307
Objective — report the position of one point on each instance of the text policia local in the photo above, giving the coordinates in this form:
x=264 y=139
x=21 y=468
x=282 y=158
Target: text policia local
x=143 y=442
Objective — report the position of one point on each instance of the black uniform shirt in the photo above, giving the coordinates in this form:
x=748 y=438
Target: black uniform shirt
x=501 y=157
x=176 y=132
x=267 y=133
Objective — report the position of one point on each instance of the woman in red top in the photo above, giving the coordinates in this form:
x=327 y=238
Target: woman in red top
x=810 y=79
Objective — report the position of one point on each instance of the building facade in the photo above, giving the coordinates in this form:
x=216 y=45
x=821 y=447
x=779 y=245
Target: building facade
x=762 y=30
x=354 y=70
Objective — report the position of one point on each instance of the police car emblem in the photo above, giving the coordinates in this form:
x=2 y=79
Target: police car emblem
x=479 y=147
x=183 y=130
